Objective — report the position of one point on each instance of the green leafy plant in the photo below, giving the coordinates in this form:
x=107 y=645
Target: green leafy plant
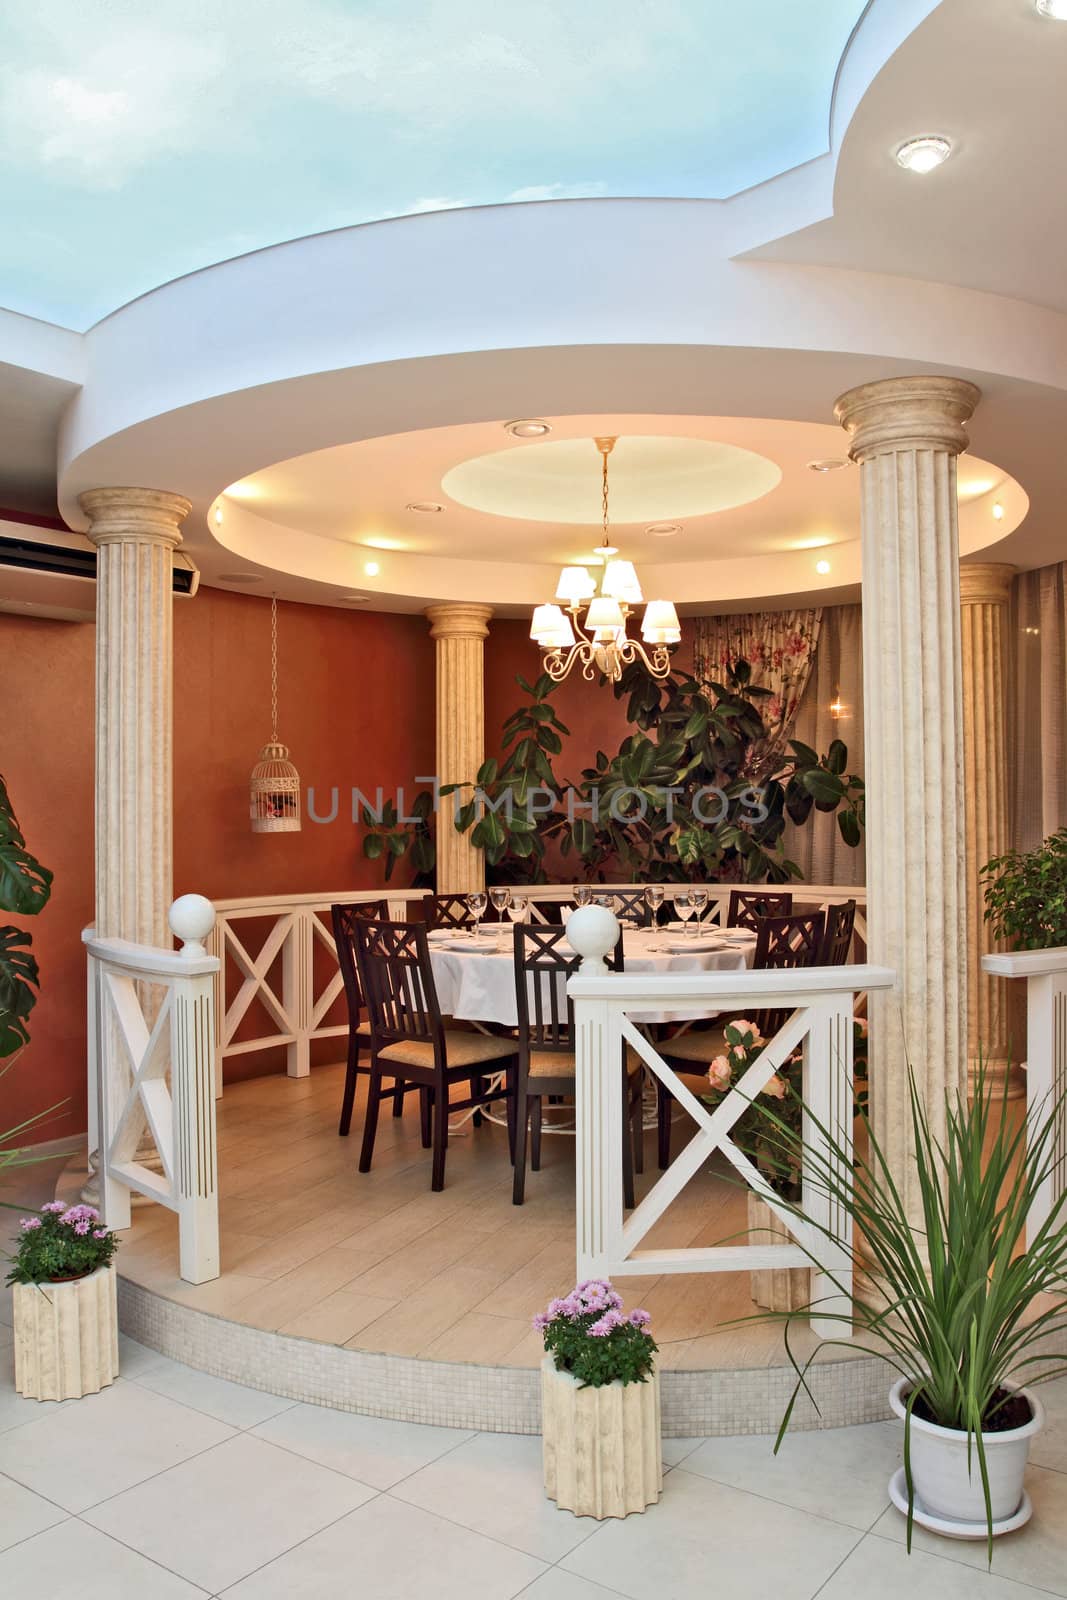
x=24 y=889
x=967 y=1304
x=1026 y=895
x=588 y=1334
x=60 y=1242
x=388 y=838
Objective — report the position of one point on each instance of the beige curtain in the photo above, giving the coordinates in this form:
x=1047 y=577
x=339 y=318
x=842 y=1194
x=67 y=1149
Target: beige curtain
x=1038 y=767
x=780 y=647
x=836 y=680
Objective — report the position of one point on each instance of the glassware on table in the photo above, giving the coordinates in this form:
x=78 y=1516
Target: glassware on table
x=476 y=904
x=698 y=899
x=683 y=909
x=583 y=894
x=518 y=906
x=500 y=899
x=653 y=900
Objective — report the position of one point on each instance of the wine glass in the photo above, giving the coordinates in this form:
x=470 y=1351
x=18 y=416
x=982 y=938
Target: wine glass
x=518 y=906
x=683 y=909
x=583 y=894
x=653 y=900
x=500 y=899
x=476 y=904
x=698 y=899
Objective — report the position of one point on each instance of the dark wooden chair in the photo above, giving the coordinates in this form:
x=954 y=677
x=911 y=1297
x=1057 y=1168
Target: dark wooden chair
x=447 y=911
x=781 y=943
x=344 y=919
x=837 y=938
x=628 y=905
x=409 y=1041
x=543 y=963
x=747 y=906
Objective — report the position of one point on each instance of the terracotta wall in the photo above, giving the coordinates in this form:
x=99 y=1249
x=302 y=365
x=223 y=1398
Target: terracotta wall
x=356 y=707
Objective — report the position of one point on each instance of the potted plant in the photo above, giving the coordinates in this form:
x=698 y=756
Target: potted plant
x=1026 y=895
x=65 y=1311
x=965 y=1308
x=600 y=1404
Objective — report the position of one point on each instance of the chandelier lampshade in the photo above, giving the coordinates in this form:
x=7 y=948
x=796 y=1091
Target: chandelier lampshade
x=599 y=642
x=274 y=788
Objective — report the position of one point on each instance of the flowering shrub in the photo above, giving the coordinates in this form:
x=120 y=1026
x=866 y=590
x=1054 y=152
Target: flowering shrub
x=590 y=1336
x=773 y=1141
x=61 y=1242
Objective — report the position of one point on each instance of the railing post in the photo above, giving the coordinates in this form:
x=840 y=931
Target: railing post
x=598 y=1118
x=297 y=957
x=192 y=1058
x=828 y=1105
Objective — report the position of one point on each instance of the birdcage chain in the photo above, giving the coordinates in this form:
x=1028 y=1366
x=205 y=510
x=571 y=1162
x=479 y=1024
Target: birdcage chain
x=274 y=669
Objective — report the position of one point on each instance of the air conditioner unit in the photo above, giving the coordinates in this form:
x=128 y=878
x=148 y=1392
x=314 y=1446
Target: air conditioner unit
x=48 y=571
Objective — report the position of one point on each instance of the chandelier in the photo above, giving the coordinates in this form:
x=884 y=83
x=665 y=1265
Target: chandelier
x=599 y=642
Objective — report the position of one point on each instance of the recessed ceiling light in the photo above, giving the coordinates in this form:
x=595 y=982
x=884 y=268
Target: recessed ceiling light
x=923 y=154
x=424 y=505
x=240 y=577
x=371 y=568
x=354 y=599
x=528 y=428
x=1056 y=9
x=830 y=464
x=664 y=530
x=822 y=568
x=998 y=511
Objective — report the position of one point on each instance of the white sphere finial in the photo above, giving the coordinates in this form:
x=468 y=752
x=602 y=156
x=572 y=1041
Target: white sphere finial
x=593 y=931
x=191 y=919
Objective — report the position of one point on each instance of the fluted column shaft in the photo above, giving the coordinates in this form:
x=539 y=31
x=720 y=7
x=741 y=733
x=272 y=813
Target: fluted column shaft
x=985 y=591
x=135 y=532
x=460 y=631
x=906 y=434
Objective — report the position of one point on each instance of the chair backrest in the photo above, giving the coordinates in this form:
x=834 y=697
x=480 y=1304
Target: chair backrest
x=398 y=986
x=628 y=905
x=543 y=962
x=837 y=939
x=782 y=943
x=748 y=906
x=344 y=919
x=447 y=911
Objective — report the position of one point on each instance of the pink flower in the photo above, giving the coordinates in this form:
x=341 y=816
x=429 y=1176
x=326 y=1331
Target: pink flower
x=99 y=1233
x=720 y=1073
x=745 y=1029
x=540 y=1322
x=83 y=1226
x=28 y=1223
x=54 y=1205
x=610 y=1320
x=639 y=1319
x=776 y=1087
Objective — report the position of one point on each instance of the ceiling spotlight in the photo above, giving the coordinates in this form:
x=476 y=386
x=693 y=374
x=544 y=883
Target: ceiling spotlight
x=664 y=530
x=371 y=568
x=218 y=516
x=998 y=511
x=822 y=568
x=1056 y=9
x=354 y=599
x=831 y=464
x=528 y=428
x=424 y=505
x=924 y=154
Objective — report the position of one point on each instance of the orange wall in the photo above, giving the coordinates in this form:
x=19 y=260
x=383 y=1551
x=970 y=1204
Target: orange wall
x=355 y=705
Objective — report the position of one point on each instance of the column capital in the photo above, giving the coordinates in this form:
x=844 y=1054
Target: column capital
x=985 y=583
x=459 y=619
x=919 y=413
x=117 y=515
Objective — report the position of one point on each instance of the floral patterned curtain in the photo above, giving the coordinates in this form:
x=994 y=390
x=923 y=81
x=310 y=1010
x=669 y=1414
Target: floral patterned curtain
x=780 y=648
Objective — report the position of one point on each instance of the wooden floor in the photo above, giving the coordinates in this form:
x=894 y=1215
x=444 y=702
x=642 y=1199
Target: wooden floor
x=378 y=1262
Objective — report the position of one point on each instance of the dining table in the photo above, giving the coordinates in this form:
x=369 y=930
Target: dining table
x=475 y=971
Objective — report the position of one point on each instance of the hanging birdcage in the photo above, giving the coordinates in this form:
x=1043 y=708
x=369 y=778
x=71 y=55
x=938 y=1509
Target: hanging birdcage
x=274 y=790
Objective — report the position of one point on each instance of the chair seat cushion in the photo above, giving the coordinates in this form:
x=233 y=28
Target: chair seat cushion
x=701 y=1047
x=461 y=1050
x=560 y=1063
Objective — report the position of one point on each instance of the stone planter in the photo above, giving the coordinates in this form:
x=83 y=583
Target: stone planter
x=602 y=1450
x=781 y=1288
x=66 y=1337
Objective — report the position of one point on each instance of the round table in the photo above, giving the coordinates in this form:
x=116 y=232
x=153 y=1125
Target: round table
x=475 y=973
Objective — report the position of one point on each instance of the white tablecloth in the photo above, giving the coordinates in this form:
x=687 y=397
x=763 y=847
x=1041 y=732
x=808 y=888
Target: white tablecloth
x=479 y=986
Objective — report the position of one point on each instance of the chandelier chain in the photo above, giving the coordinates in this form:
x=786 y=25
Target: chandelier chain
x=274 y=669
x=604 y=494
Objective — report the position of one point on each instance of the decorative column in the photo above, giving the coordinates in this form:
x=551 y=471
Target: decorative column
x=135 y=532
x=460 y=631
x=993 y=1032
x=906 y=434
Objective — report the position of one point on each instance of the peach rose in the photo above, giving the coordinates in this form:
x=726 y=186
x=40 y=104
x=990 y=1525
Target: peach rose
x=776 y=1087
x=720 y=1073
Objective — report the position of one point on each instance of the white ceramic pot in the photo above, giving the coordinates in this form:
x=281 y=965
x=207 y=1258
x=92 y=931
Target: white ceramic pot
x=66 y=1336
x=778 y=1288
x=602 y=1453
x=951 y=1489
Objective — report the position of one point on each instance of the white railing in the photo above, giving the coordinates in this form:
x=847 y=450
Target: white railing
x=821 y=1001
x=1045 y=974
x=289 y=970
x=151 y=1067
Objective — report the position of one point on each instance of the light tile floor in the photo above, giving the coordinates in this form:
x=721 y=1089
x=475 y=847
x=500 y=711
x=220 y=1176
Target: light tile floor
x=171 y=1485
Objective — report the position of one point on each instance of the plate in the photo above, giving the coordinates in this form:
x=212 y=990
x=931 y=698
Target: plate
x=950 y=1527
x=685 y=947
x=440 y=935
x=483 y=946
